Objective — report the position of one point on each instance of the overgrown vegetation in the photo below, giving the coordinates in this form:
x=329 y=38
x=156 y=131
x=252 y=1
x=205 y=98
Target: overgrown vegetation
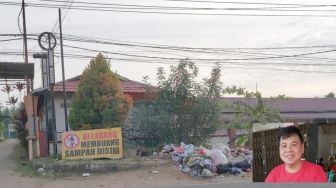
x=20 y=119
x=6 y=115
x=184 y=111
x=254 y=110
x=99 y=101
x=2 y=131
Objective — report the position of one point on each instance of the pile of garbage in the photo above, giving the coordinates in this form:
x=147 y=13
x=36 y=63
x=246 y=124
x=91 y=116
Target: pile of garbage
x=199 y=161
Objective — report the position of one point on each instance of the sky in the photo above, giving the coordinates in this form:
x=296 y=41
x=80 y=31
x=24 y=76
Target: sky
x=277 y=47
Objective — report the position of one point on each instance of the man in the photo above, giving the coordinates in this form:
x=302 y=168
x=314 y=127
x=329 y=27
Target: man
x=321 y=163
x=294 y=169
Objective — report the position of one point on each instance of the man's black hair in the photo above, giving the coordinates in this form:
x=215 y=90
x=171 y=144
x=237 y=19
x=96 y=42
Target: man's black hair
x=321 y=160
x=286 y=132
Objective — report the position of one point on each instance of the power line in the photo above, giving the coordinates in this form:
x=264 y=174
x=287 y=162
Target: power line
x=285 y=70
x=7 y=40
x=163 y=10
x=264 y=56
x=283 y=5
x=151 y=45
x=248 y=3
x=201 y=50
x=221 y=61
x=223 y=64
x=227 y=59
x=77 y=38
x=269 y=57
x=66 y=12
x=16 y=35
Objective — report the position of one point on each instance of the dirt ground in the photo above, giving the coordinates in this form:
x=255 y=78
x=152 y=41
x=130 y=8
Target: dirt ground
x=165 y=175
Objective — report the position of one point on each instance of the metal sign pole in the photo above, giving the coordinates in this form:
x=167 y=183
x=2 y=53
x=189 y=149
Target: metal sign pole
x=47 y=41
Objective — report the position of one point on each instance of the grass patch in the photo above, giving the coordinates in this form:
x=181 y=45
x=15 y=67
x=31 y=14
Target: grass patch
x=26 y=170
x=20 y=156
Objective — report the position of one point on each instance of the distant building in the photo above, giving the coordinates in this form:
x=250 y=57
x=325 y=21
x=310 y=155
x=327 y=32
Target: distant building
x=135 y=90
x=11 y=133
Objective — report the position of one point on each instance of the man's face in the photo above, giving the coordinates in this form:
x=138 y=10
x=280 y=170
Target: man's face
x=291 y=150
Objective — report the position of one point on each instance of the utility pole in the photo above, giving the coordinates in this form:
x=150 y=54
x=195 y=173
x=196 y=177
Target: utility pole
x=63 y=76
x=25 y=42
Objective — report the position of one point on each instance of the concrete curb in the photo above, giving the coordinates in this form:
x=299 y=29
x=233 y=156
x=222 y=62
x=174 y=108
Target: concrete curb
x=98 y=166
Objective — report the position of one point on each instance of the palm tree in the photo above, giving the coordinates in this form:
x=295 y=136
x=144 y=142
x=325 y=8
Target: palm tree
x=7 y=89
x=19 y=86
x=260 y=111
x=12 y=100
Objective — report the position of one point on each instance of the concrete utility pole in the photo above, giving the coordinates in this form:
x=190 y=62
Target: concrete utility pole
x=63 y=76
x=25 y=42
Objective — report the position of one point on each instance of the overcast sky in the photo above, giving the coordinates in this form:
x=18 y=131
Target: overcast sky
x=281 y=54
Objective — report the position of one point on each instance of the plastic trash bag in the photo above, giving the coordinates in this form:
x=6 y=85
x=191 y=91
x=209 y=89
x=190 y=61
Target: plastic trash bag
x=218 y=157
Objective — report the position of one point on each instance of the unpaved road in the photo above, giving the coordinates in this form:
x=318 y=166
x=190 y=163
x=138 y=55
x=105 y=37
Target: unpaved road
x=168 y=176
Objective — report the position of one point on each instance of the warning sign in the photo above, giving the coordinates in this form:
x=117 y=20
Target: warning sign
x=98 y=143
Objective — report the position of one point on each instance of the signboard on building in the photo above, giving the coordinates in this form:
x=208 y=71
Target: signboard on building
x=98 y=143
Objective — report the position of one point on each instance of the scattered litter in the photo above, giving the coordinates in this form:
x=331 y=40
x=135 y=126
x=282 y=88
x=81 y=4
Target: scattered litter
x=200 y=161
x=86 y=174
x=206 y=173
x=40 y=170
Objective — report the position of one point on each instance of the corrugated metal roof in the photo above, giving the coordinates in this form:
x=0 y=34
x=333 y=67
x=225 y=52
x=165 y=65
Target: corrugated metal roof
x=16 y=70
x=292 y=105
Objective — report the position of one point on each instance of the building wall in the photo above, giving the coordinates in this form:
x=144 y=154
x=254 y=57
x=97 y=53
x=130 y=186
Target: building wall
x=60 y=122
x=11 y=131
x=59 y=111
x=332 y=146
x=331 y=138
x=219 y=140
x=323 y=144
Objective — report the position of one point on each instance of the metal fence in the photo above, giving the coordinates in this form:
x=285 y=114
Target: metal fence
x=266 y=150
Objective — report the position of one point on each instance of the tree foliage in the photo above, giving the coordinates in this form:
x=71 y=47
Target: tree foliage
x=7 y=88
x=99 y=101
x=5 y=119
x=19 y=86
x=2 y=126
x=260 y=111
x=20 y=118
x=330 y=95
x=185 y=110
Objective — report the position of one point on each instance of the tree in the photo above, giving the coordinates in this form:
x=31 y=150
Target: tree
x=2 y=126
x=19 y=117
x=19 y=86
x=261 y=111
x=7 y=89
x=99 y=101
x=12 y=101
x=185 y=110
x=330 y=95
